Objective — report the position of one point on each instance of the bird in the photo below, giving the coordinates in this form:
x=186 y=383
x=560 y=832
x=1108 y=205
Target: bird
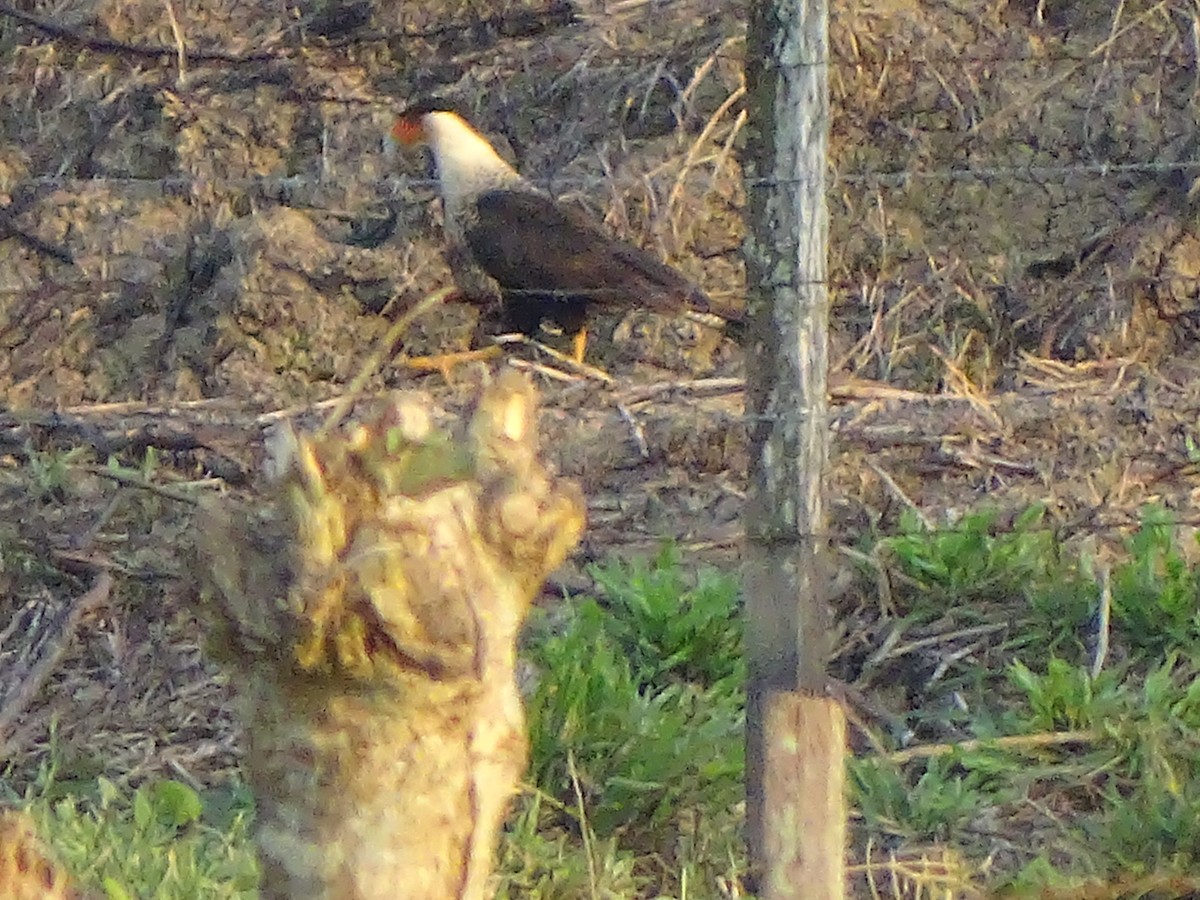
x=545 y=260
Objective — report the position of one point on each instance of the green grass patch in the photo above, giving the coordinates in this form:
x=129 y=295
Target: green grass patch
x=1070 y=741
x=636 y=723
x=162 y=840
x=1048 y=744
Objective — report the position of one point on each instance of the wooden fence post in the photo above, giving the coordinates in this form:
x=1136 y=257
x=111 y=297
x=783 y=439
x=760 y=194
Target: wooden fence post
x=795 y=734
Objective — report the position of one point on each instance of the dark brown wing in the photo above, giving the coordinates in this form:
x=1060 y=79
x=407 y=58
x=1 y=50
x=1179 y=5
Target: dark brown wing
x=528 y=242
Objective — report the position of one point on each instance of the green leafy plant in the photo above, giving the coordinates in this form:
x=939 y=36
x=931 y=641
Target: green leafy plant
x=974 y=558
x=1066 y=697
x=153 y=842
x=642 y=751
x=672 y=630
x=1156 y=594
x=929 y=805
x=51 y=469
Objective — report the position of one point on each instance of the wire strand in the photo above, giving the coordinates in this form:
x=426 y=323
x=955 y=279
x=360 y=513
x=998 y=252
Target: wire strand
x=180 y=185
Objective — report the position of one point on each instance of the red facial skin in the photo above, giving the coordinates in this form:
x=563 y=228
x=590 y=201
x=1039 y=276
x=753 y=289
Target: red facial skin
x=408 y=131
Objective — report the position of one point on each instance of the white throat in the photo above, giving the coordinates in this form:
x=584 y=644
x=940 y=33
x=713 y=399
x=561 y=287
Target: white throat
x=466 y=162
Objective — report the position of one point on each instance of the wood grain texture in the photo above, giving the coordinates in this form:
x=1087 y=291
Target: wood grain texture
x=369 y=614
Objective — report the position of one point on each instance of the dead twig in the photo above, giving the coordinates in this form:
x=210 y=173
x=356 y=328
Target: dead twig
x=130 y=479
x=556 y=14
x=384 y=350
x=962 y=385
x=180 y=41
x=635 y=428
x=143 y=51
x=1103 y=621
x=9 y=229
x=706 y=387
x=974 y=458
x=550 y=372
x=580 y=368
x=20 y=429
x=1021 y=743
x=38 y=661
x=898 y=492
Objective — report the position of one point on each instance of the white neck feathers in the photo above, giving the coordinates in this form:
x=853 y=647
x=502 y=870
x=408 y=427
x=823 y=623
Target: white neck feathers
x=466 y=163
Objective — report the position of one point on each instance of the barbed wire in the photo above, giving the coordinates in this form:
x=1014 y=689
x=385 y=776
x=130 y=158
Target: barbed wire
x=282 y=189
x=180 y=185
x=866 y=283
x=115 y=429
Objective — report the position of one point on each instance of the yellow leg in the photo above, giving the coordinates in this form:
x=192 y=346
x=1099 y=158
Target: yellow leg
x=444 y=362
x=579 y=345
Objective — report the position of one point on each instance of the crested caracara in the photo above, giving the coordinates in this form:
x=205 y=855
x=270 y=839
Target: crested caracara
x=546 y=260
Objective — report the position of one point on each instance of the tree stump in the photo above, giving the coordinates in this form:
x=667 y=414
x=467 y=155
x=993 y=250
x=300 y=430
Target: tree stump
x=27 y=871
x=368 y=612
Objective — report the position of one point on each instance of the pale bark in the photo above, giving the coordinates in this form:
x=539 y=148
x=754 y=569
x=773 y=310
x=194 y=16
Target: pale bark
x=369 y=613
x=27 y=871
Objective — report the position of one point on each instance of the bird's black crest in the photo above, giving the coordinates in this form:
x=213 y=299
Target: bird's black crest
x=433 y=104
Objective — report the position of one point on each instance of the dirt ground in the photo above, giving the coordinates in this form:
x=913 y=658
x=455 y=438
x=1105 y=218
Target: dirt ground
x=199 y=245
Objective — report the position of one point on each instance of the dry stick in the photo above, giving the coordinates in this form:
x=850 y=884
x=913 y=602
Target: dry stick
x=635 y=428
x=136 y=481
x=50 y=652
x=705 y=67
x=553 y=374
x=898 y=492
x=583 y=824
x=846 y=390
x=705 y=386
x=1079 y=373
x=383 y=350
x=862 y=348
x=141 y=407
x=939 y=639
x=151 y=51
x=1100 y=50
x=919 y=876
x=702 y=139
x=949 y=660
x=1103 y=621
x=290 y=412
x=883 y=587
x=721 y=157
x=967 y=390
x=110 y=441
x=180 y=43
x=560 y=357
x=979 y=460
x=9 y=230
x=270 y=188
x=1019 y=742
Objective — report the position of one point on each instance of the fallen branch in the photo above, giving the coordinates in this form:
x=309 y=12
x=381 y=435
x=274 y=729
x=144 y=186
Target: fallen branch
x=523 y=23
x=1021 y=743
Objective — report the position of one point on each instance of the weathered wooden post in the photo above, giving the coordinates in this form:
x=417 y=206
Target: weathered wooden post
x=795 y=733
x=369 y=610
